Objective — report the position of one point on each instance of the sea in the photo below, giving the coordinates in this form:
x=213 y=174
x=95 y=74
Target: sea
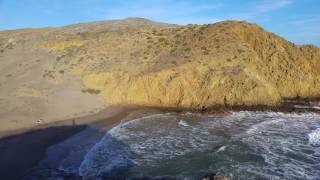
x=237 y=145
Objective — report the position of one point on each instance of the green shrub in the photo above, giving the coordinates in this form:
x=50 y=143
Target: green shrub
x=200 y=38
x=174 y=62
x=240 y=51
x=91 y=91
x=187 y=49
x=161 y=39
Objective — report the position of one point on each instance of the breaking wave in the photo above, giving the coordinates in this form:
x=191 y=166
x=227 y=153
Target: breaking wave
x=270 y=144
x=241 y=145
x=314 y=137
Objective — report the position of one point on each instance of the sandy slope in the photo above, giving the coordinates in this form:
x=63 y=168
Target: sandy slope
x=27 y=99
x=53 y=74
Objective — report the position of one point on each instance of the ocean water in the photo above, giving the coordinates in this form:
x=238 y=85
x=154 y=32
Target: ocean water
x=240 y=145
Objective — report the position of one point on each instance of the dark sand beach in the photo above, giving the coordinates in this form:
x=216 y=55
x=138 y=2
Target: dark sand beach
x=23 y=149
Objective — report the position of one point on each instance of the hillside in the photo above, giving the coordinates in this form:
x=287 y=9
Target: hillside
x=56 y=73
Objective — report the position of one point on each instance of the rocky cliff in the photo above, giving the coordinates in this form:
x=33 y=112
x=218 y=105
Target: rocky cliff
x=137 y=61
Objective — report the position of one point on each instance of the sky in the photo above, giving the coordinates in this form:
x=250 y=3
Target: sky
x=296 y=20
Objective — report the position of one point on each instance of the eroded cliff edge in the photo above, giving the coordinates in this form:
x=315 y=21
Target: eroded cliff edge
x=140 y=62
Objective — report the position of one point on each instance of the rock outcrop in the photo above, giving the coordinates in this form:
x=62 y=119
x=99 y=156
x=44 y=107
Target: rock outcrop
x=137 y=61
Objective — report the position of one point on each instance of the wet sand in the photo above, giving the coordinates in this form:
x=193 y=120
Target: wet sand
x=22 y=151
x=19 y=153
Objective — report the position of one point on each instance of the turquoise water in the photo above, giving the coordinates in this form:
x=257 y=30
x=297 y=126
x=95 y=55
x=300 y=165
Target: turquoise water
x=241 y=145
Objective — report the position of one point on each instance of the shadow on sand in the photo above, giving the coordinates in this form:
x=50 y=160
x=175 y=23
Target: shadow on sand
x=19 y=153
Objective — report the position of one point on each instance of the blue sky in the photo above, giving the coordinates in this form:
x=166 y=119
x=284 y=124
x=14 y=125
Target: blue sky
x=296 y=20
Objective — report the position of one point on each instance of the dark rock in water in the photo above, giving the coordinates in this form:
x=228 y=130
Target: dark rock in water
x=214 y=177
x=137 y=178
x=209 y=177
x=203 y=109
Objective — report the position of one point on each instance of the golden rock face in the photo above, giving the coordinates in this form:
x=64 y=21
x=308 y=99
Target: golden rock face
x=140 y=62
x=229 y=63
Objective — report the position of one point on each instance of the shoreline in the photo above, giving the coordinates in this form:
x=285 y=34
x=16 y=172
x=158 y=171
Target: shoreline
x=298 y=105
x=20 y=152
x=288 y=105
x=22 y=149
x=102 y=115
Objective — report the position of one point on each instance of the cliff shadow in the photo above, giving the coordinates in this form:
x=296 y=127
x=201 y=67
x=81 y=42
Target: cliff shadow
x=20 y=153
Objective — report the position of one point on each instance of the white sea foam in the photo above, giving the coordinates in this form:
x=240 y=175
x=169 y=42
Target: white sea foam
x=222 y=148
x=316 y=107
x=258 y=128
x=306 y=107
x=67 y=155
x=302 y=107
x=105 y=156
x=314 y=137
x=280 y=139
x=188 y=113
x=111 y=152
x=149 y=140
x=183 y=123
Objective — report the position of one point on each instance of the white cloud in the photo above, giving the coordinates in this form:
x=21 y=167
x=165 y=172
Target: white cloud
x=311 y=20
x=261 y=8
x=272 y=5
x=306 y=29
